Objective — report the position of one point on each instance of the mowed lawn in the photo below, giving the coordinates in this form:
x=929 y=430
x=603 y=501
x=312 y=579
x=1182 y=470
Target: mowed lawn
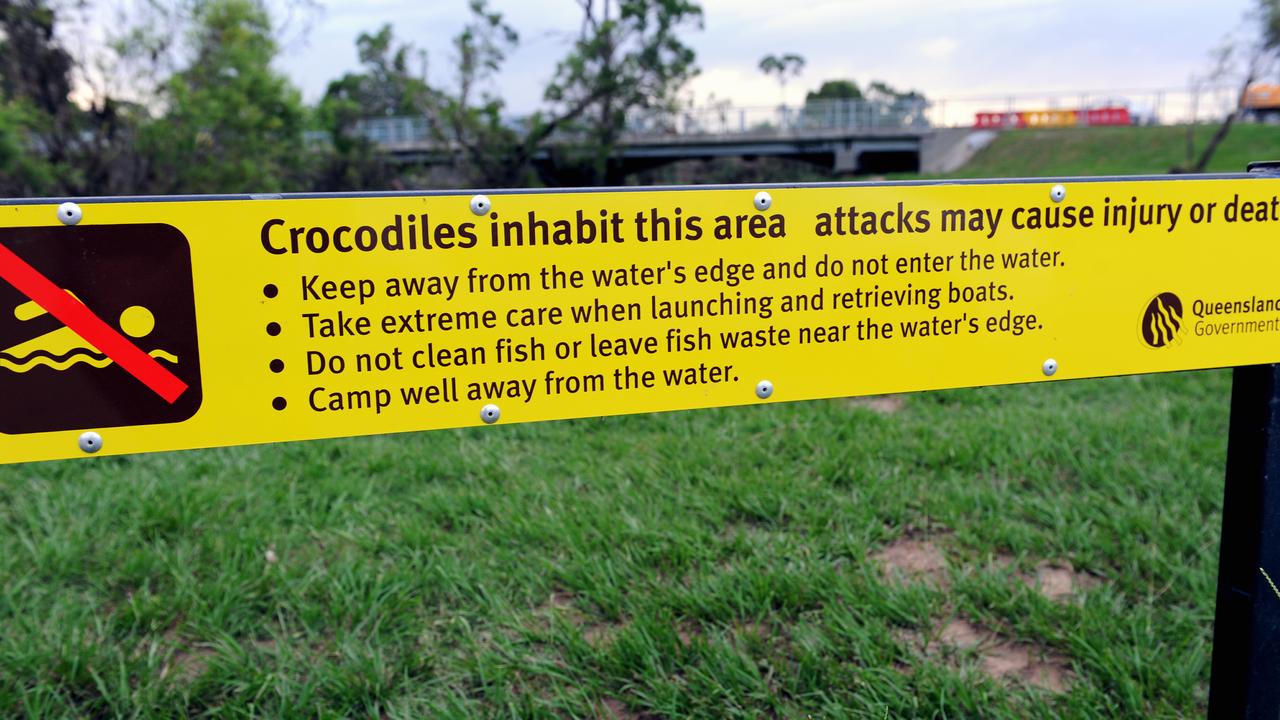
x=1031 y=551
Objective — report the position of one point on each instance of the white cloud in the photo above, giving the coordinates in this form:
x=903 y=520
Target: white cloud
x=939 y=49
x=744 y=86
x=944 y=48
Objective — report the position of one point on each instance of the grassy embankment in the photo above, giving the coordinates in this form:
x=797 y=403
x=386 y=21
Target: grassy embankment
x=1118 y=151
x=710 y=563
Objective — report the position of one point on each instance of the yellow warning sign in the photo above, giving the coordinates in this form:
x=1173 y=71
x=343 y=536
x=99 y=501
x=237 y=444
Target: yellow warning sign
x=169 y=324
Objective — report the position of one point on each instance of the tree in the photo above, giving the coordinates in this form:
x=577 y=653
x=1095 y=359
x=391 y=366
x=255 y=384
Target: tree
x=232 y=124
x=890 y=106
x=150 y=41
x=882 y=92
x=783 y=68
x=495 y=152
x=1253 y=57
x=391 y=84
x=36 y=119
x=23 y=173
x=835 y=90
x=464 y=119
x=33 y=66
x=51 y=146
x=628 y=57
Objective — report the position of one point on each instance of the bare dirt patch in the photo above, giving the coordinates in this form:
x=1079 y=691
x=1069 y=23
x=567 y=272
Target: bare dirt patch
x=559 y=604
x=263 y=644
x=1059 y=582
x=1002 y=561
x=960 y=633
x=960 y=644
x=883 y=404
x=1056 y=581
x=753 y=627
x=1021 y=662
x=557 y=600
x=913 y=560
x=188 y=663
x=612 y=709
x=598 y=634
x=687 y=631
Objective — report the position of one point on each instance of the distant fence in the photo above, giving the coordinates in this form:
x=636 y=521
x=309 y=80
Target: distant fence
x=395 y=131
x=826 y=115
x=816 y=115
x=1149 y=106
x=1166 y=106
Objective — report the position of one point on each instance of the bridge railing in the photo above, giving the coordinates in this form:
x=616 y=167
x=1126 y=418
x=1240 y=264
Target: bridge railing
x=815 y=115
x=832 y=115
x=395 y=131
x=1152 y=106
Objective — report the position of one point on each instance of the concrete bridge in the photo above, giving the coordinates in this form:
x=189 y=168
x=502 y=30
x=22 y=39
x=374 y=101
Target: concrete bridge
x=844 y=136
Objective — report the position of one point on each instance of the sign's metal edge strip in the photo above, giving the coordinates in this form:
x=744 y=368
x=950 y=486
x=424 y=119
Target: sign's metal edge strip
x=8 y=202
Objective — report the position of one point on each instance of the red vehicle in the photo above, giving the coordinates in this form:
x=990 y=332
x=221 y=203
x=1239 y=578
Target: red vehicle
x=1114 y=115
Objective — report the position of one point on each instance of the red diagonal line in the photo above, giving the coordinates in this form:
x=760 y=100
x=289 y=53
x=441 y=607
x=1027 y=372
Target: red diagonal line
x=89 y=326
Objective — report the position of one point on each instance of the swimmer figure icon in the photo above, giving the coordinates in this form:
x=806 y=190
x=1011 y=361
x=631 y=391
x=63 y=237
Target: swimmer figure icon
x=63 y=348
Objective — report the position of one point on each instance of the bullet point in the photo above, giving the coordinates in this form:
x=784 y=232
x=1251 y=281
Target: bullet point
x=270 y=290
x=279 y=403
x=273 y=328
x=277 y=366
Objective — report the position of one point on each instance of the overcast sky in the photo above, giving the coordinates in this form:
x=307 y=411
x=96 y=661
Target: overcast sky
x=946 y=49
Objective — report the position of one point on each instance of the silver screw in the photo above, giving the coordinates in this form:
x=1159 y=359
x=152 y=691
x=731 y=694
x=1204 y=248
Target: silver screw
x=764 y=389
x=1058 y=193
x=480 y=204
x=90 y=442
x=70 y=213
x=490 y=413
x=1050 y=367
x=763 y=200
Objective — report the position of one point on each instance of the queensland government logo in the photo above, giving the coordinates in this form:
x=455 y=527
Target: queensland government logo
x=1162 y=320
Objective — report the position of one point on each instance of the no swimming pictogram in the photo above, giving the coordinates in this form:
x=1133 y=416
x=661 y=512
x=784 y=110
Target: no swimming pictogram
x=97 y=328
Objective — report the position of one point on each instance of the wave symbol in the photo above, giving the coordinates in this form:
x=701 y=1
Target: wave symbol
x=41 y=358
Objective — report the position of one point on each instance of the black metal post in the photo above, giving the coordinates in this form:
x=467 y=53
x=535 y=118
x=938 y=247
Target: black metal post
x=1245 y=681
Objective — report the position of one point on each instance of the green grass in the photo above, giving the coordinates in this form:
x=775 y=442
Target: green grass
x=710 y=563
x=1117 y=151
x=713 y=563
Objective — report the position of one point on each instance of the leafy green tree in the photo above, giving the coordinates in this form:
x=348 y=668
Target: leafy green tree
x=884 y=93
x=38 y=124
x=466 y=120
x=50 y=145
x=391 y=83
x=782 y=68
x=628 y=57
x=232 y=124
x=496 y=152
x=33 y=66
x=24 y=172
x=835 y=90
